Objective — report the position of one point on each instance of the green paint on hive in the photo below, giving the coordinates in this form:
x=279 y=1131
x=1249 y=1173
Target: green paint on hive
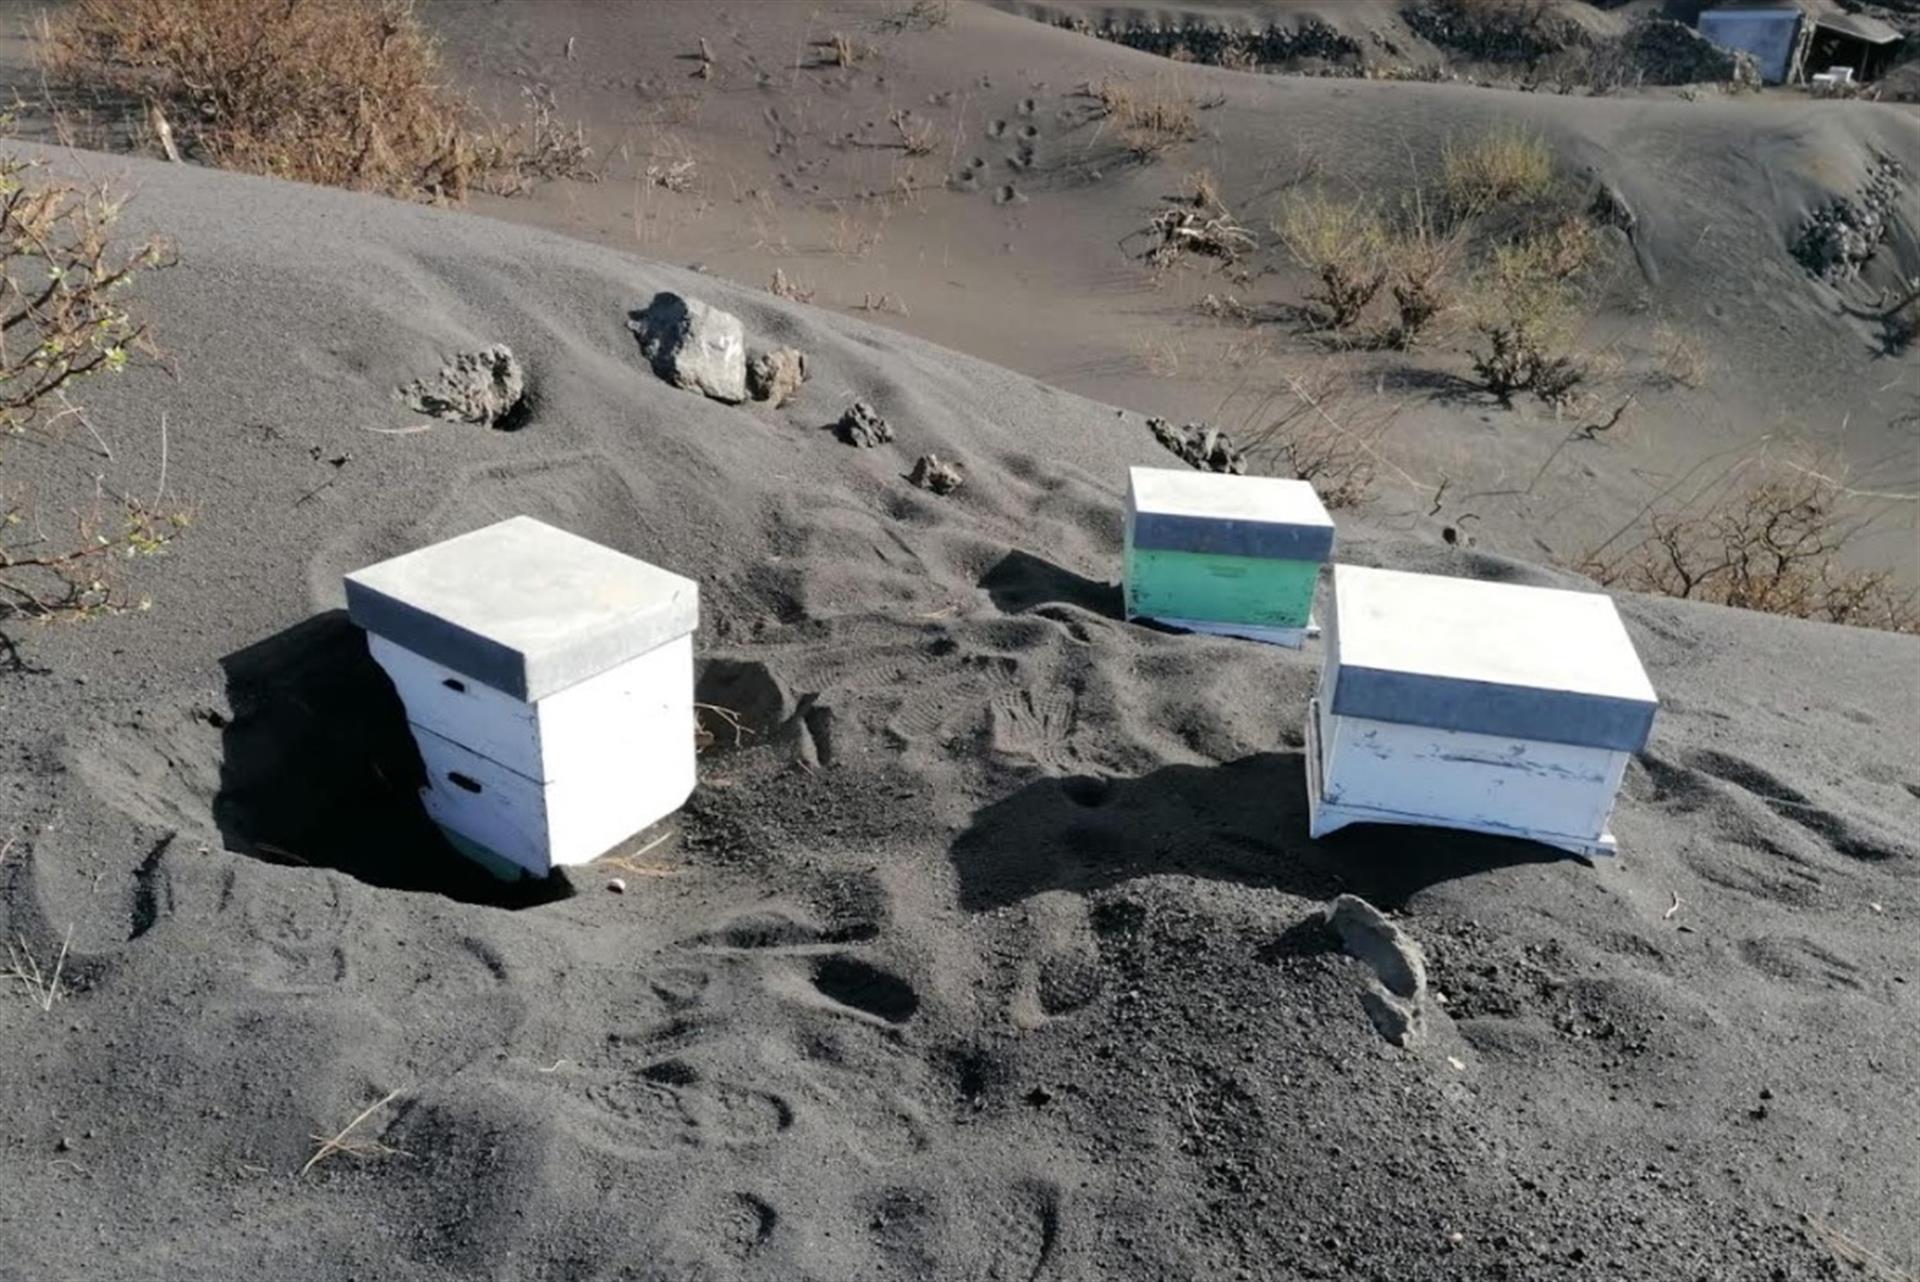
x=1206 y=587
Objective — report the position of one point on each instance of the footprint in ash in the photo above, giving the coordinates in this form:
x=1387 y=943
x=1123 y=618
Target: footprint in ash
x=670 y=1104
x=1021 y=1223
x=864 y=989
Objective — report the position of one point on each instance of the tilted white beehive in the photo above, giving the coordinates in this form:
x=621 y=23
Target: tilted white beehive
x=1492 y=707
x=549 y=684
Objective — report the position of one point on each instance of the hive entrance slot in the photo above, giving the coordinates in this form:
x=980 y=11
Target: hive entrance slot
x=454 y=685
x=459 y=780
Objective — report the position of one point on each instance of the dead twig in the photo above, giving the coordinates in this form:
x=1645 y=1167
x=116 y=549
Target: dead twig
x=704 y=738
x=629 y=862
x=341 y=1143
x=1183 y=231
x=1672 y=908
x=1592 y=431
x=1868 y=1262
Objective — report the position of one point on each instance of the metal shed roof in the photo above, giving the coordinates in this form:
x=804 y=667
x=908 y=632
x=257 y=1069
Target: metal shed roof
x=1857 y=25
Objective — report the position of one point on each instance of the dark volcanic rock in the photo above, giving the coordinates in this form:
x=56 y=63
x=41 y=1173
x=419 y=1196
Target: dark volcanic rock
x=929 y=473
x=486 y=386
x=1202 y=445
x=863 y=427
x=775 y=376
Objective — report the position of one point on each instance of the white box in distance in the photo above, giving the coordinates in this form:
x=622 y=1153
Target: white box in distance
x=548 y=682
x=1236 y=556
x=1492 y=707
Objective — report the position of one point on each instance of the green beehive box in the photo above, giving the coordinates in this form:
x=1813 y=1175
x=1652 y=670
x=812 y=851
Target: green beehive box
x=1234 y=555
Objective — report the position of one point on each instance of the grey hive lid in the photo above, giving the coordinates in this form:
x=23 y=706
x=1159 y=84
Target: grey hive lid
x=523 y=607
x=1492 y=658
x=1261 y=516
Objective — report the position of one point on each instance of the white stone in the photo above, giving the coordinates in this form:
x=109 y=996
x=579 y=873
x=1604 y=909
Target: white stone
x=694 y=346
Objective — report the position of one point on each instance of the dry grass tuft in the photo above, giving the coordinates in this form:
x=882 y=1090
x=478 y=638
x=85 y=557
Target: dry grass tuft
x=346 y=94
x=1775 y=544
x=1202 y=190
x=857 y=229
x=1150 y=117
x=1679 y=359
x=43 y=988
x=1508 y=164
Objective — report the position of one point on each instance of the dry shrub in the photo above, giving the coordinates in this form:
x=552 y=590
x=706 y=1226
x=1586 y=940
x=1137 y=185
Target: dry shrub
x=347 y=93
x=538 y=149
x=1343 y=243
x=1421 y=256
x=1149 y=117
x=1323 y=428
x=1899 y=318
x=1507 y=165
x=842 y=50
x=1524 y=314
x=1201 y=190
x=63 y=319
x=784 y=286
x=918 y=136
x=1775 y=544
x=917 y=15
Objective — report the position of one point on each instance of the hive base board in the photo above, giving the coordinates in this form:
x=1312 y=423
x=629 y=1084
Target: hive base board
x=500 y=866
x=1292 y=638
x=1325 y=816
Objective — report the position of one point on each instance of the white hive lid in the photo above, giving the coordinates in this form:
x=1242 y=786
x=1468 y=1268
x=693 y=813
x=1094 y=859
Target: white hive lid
x=1263 y=516
x=1494 y=658
x=523 y=607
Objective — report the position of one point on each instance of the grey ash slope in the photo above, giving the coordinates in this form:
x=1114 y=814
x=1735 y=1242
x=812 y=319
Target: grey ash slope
x=993 y=952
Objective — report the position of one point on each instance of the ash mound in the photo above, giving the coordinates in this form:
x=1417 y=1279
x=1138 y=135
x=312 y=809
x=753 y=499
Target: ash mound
x=992 y=944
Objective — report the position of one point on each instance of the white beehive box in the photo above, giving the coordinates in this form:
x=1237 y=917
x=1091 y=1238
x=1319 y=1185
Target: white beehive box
x=1492 y=707
x=549 y=684
x=1236 y=556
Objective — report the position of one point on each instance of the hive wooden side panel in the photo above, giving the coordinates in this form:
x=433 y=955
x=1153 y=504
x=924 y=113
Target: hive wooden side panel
x=1210 y=588
x=539 y=825
x=1491 y=708
x=615 y=713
